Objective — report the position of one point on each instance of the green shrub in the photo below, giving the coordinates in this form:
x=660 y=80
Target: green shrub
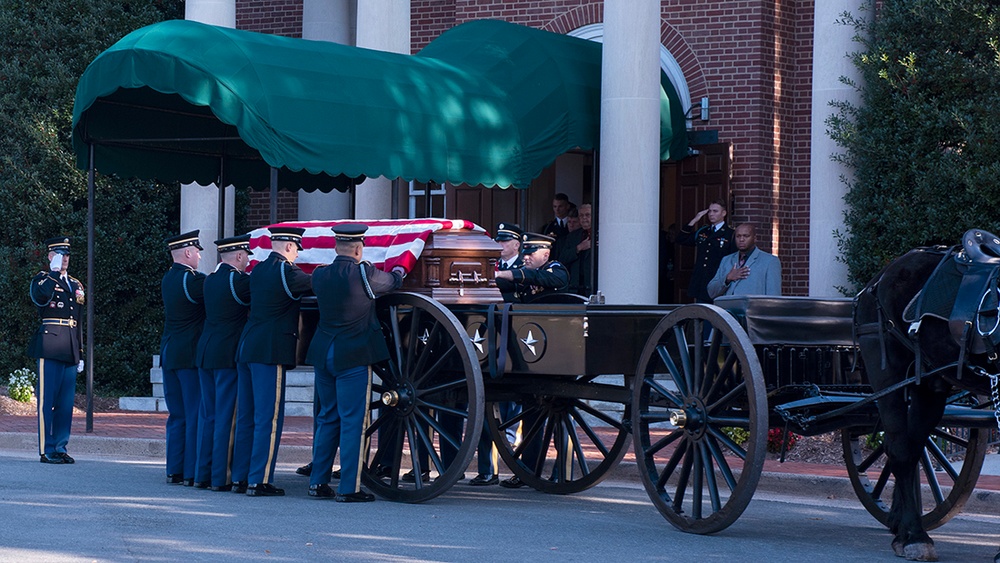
x=922 y=143
x=20 y=384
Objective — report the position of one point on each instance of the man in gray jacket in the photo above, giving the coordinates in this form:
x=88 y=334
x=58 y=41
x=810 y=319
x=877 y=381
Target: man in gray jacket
x=749 y=270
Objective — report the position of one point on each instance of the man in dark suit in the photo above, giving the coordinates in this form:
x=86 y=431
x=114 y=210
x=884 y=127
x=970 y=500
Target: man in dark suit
x=557 y=227
x=227 y=302
x=347 y=342
x=711 y=242
x=575 y=254
x=268 y=347
x=57 y=344
x=183 y=317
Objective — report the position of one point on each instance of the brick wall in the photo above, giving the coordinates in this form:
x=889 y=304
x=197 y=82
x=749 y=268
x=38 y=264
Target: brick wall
x=259 y=213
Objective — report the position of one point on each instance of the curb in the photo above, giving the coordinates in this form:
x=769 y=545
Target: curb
x=818 y=487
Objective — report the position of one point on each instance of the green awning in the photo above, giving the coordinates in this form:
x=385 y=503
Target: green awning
x=488 y=102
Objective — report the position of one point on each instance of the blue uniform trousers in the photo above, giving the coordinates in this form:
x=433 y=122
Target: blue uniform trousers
x=55 y=391
x=223 y=435
x=487 y=461
x=268 y=383
x=343 y=397
x=243 y=435
x=206 y=426
x=182 y=392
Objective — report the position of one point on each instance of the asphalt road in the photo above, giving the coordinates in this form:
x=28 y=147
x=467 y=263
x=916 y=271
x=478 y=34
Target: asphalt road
x=119 y=509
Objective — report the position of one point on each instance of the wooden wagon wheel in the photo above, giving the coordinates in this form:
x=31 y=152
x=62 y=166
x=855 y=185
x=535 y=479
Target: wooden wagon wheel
x=950 y=486
x=427 y=402
x=579 y=443
x=697 y=377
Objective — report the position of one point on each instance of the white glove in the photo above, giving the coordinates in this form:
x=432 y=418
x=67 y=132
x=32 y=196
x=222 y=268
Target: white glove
x=79 y=367
x=56 y=263
x=399 y=270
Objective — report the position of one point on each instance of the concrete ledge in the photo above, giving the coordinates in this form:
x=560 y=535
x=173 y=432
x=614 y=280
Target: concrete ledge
x=142 y=404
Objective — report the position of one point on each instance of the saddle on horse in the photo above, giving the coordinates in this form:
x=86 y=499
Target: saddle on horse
x=962 y=291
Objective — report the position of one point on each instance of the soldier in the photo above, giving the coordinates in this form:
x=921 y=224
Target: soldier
x=347 y=342
x=58 y=346
x=227 y=301
x=183 y=317
x=539 y=276
x=712 y=242
x=268 y=346
x=509 y=237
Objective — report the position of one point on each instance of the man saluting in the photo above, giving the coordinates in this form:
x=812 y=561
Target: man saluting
x=57 y=345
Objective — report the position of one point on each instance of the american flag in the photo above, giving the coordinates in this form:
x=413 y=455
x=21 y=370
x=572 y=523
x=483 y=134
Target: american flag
x=388 y=242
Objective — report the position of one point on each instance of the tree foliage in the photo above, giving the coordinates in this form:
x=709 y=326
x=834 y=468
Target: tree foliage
x=44 y=48
x=924 y=141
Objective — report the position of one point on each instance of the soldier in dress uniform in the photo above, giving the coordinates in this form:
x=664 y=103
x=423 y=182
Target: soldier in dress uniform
x=183 y=318
x=58 y=346
x=509 y=237
x=711 y=242
x=227 y=302
x=347 y=342
x=268 y=346
x=540 y=276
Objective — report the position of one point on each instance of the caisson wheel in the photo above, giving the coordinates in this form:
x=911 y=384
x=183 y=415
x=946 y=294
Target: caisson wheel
x=698 y=378
x=427 y=402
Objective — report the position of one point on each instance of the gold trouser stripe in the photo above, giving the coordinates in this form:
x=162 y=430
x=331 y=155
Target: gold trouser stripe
x=495 y=460
x=364 y=430
x=41 y=406
x=271 y=450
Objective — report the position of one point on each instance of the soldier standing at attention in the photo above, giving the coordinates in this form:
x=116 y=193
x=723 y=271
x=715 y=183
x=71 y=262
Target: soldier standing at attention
x=183 y=316
x=58 y=346
x=711 y=242
x=268 y=346
x=347 y=342
x=227 y=301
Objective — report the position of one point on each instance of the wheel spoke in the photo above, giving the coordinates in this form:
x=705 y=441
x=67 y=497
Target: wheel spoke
x=682 y=350
x=616 y=424
x=436 y=366
x=547 y=437
x=396 y=340
x=412 y=348
x=953 y=439
x=675 y=373
x=712 y=362
x=594 y=438
x=728 y=442
x=713 y=486
x=671 y=466
x=663 y=442
x=414 y=456
x=685 y=474
x=427 y=444
x=677 y=402
x=581 y=458
x=883 y=480
x=942 y=459
x=697 y=371
x=447 y=386
x=720 y=459
x=736 y=391
x=441 y=408
x=426 y=352
x=932 y=480
x=872 y=458
x=697 y=483
x=726 y=372
x=436 y=425
x=532 y=432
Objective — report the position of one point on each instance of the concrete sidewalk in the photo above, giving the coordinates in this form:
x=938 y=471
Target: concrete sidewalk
x=125 y=433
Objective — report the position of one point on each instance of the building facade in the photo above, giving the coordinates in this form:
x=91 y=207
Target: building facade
x=754 y=62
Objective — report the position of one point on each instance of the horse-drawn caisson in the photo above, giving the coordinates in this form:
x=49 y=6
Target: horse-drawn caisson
x=686 y=381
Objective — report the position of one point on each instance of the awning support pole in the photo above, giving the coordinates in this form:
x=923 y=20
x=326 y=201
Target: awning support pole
x=595 y=186
x=89 y=321
x=222 y=198
x=274 y=195
x=394 y=199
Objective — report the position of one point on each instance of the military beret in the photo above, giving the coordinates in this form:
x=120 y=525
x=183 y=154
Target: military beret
x=185 y=239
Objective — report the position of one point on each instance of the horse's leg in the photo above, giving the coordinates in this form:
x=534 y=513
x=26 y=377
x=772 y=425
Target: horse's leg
x=927 y=404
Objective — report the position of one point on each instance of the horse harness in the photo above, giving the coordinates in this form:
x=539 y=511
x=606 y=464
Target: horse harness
x=962 y=291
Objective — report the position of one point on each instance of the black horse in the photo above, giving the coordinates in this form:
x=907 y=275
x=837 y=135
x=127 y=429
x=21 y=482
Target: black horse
x=940 y=339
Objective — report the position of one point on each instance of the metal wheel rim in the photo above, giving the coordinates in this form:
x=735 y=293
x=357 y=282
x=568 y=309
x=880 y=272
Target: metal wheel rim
x=705 y=382
x=567 y=434
x=431 y=363
x=874 y=494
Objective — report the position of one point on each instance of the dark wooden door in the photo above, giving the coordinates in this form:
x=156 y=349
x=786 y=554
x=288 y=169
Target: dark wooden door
x=687 y=187
x=483 y=206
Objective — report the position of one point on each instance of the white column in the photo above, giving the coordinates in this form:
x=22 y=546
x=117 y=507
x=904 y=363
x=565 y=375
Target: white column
x=383 y=25
x=327 y=20
x=831 y=44
x=630 y=156
x=200 y=204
